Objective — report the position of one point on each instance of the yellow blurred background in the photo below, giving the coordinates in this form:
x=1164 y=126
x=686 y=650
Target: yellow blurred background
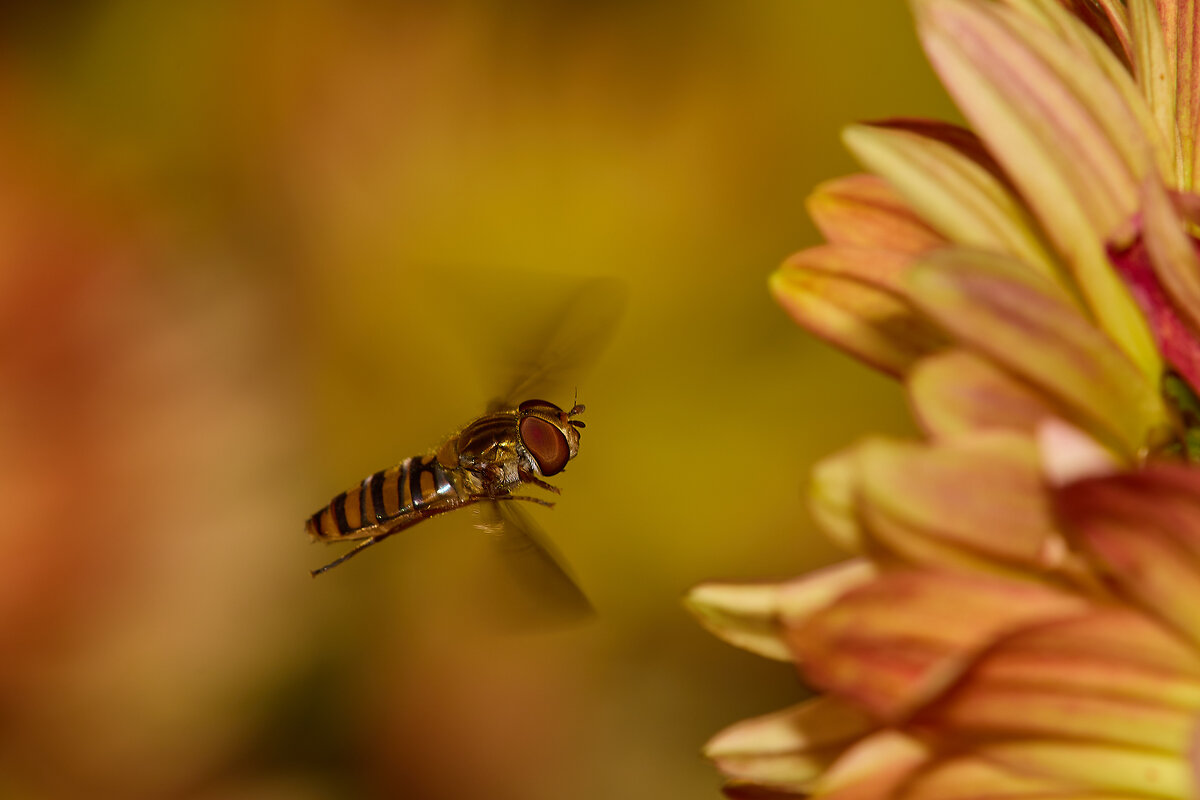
x=252 y=252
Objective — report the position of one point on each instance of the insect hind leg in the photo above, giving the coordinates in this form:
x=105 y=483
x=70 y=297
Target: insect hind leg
x=346 y=556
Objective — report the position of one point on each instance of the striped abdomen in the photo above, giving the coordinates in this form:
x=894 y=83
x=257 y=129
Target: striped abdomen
x=415 y=486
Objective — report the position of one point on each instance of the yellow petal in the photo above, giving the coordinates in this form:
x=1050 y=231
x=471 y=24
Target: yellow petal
x=1095 y=766
x=1025 y=325
x=961 y=199
x=1064 y=133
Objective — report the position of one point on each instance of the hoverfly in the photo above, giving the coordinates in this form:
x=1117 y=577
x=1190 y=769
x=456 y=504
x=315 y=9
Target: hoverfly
x=518 y=442
x=484 y=461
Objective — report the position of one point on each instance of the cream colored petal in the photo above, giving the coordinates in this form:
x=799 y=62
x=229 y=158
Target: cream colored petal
x=864 y=211
x=959 y=198
x=1064 y=133
x=790 y=747
x=754 y=616
x=1068 y=454
x=831 y=500
x=1024 y=325
x=957 y=392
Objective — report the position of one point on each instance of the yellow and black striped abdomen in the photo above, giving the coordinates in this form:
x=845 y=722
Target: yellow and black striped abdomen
x=382 y=501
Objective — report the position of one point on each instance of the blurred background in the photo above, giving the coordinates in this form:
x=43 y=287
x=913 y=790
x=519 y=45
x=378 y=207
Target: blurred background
x=252 y=252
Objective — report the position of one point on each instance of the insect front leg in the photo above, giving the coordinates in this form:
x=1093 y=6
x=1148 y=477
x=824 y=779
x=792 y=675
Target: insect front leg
x=479 y=497
x=529 y=477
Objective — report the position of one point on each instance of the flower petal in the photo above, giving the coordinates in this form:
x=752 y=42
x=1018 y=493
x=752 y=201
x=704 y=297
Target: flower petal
x=894 y=644
x=842 y=295
x=959 y=198
x=914 y=497
x=1162 y=271
x=790 y=747
x=1081 y=657
x=1154 y=68
x=986 y=710
x=753 y=616
x=864 y=211
x=1096 y=766
x=1179 y=25
x=1064 y=132
x=873 y=768
x=957 y=392
x=1144 y=529
x=970 y=777
x=831 y=499
x=1068 y=454
x=1026 y=326
x=1108 y=20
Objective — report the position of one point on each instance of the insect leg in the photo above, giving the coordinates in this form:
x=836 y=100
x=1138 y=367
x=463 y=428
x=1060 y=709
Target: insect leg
x=358 y=548
x=538 y=500
x=529 y=477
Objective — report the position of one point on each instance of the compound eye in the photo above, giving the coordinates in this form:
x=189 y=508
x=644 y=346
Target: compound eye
x=546 y=444
x=546 y=404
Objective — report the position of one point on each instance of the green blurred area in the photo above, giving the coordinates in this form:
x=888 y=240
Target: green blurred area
x=253 y=252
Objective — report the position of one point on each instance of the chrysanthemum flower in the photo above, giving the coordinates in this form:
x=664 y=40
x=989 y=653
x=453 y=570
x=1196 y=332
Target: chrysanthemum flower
x=979 y=266
x=943 y=684
x=1036 y=284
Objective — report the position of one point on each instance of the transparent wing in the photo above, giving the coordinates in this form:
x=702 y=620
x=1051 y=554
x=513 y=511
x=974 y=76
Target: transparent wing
x=532 y=586
x=538 y=334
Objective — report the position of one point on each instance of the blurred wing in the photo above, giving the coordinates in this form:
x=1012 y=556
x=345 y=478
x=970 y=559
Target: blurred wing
x=533 y=587
x=552 y=357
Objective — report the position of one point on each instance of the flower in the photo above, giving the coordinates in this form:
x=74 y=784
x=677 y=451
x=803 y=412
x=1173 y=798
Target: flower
x=1005 y=629
x=950 y=685
x=979 y=266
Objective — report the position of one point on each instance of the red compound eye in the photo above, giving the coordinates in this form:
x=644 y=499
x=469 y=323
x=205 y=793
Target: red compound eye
x=546 y=444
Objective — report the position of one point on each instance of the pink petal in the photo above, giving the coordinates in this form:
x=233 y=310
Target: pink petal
x=898 y=642
x=956 y=392
x=845 y=296
x=864 y=211
x=1162 y=271
x=915 y=497
x=1144 y=529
